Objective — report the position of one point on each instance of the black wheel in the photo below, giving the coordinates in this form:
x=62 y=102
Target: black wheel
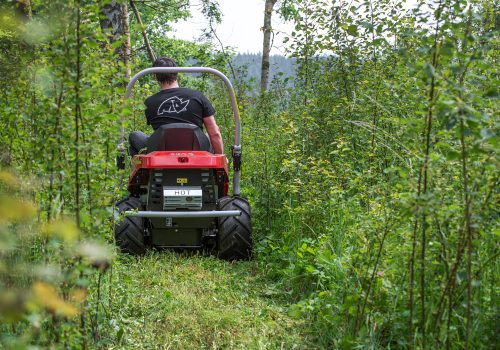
x=234 y=240
x=129 y=231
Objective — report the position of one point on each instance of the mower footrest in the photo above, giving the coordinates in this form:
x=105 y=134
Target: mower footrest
x=184 y=214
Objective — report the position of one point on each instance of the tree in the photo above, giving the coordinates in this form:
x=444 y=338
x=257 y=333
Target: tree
x=115 y=24
x=266 y=46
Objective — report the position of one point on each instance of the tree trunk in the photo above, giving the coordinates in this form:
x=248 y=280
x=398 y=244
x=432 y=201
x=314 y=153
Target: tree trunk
x=24 y=9
x=126 y=47
x=267 y=29
x=111 y=21
x=115 y=24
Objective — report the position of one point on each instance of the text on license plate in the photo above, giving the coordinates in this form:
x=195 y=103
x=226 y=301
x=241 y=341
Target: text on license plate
x=182 y=192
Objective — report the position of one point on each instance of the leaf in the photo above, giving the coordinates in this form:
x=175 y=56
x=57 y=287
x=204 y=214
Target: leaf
x=366 y=25
x=79 y=295
x=64 y=229
x=8 y=179
x=45 y=295
x=295 y=311
x=352 y=30
x=487 y=133
x=12 y=209
x=429 y=70
x=491 y=93
x=379 y=41
x=452 y=155
x=119 y=334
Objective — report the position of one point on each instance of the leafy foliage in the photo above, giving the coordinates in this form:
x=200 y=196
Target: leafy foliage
x=380 y=195
x=373 y=178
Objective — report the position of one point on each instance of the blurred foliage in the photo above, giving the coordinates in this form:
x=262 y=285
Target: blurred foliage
x=46 y=286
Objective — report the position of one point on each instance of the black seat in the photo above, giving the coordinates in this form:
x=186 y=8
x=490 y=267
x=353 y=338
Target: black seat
x=179 y=137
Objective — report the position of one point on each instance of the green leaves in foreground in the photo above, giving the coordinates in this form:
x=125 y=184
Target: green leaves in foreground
x=36 y=294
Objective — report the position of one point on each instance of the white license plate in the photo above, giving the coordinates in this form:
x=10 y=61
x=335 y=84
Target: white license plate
x=182 y=192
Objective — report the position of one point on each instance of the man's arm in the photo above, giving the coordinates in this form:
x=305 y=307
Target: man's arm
x=214 y=134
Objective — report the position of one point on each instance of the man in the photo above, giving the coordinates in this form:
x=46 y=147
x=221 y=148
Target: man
x=173 y=104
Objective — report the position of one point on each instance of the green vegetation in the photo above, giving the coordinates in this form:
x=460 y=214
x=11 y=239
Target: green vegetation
x=374 y=183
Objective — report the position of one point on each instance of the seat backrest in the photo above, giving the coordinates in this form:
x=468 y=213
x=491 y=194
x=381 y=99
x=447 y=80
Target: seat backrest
x=178 y=137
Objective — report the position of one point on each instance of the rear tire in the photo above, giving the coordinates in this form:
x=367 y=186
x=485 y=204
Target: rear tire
x=129 y=231
x=234 y=240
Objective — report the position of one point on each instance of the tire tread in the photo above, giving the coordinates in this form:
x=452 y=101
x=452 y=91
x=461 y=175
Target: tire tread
x=129 y=232
x=234 y=240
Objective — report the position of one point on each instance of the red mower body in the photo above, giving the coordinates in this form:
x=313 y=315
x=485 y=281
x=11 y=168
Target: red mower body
x=142 y=163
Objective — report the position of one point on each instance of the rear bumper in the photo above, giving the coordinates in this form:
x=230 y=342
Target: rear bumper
x=184 y=214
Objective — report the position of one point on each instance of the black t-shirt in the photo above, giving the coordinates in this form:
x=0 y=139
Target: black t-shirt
x=177 y=105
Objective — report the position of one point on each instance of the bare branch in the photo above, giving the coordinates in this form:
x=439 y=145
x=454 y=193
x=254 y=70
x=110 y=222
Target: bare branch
x=149 y=49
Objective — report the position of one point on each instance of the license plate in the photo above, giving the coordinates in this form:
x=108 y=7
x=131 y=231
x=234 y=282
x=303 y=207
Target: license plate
x=182 y=192
x=182 y=197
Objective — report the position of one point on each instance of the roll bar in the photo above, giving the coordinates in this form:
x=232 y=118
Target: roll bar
x=236 y=149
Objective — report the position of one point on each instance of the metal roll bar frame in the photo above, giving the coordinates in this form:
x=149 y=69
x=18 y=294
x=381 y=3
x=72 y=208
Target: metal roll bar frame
x=236 y=148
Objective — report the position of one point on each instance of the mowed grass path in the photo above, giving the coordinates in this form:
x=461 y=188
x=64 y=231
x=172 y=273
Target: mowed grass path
x=167 y=300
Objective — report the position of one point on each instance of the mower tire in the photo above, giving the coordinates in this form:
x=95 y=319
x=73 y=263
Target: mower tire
x=129 y=231
x=234 y=241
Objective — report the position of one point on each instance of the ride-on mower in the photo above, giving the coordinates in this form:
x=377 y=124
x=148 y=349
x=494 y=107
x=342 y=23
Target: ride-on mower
x=179 y=190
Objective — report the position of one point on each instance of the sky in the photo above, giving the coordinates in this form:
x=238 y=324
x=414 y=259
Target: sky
x=240 y=27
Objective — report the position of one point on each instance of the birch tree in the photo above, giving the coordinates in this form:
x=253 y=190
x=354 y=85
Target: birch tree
x=266 y=46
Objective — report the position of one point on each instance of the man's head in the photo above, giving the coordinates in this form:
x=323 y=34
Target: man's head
x=165 y=77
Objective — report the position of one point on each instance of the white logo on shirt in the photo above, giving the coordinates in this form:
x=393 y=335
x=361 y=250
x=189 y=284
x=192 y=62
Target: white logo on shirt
x=173 y=105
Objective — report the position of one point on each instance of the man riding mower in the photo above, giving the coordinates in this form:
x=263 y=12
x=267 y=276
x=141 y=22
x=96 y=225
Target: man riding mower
x=179 y=188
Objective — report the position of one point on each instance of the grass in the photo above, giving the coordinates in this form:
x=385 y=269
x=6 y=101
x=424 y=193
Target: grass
x=167 y=300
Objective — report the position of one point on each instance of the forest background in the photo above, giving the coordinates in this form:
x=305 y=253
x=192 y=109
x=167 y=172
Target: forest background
x=373 y=178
